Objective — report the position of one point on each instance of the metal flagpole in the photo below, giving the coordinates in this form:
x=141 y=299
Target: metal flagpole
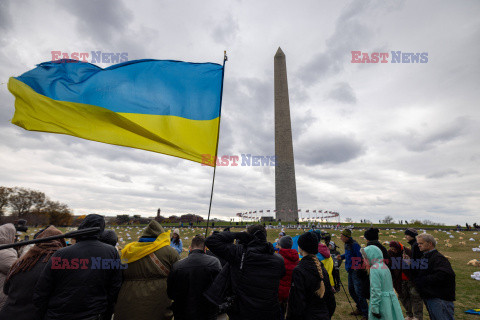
x=216 y=149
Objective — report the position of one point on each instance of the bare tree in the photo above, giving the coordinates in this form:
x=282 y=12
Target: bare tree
x=388 y=220
x=21 y=201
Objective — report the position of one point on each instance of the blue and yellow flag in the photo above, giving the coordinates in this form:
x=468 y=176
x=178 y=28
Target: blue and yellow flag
x=165 y=106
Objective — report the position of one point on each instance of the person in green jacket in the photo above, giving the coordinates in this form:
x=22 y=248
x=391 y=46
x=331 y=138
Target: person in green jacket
x=143 y=295
x=383 y=300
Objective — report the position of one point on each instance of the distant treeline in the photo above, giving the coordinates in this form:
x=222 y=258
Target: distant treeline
x=33 y=206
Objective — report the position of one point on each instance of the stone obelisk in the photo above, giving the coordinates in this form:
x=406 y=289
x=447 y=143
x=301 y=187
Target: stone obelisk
x=285 y=186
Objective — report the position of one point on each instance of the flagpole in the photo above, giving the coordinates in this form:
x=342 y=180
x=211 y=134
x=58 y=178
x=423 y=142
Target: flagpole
x=216 y=149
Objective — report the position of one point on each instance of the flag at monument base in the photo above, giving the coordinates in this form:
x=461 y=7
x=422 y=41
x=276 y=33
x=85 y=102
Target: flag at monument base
x=165 y=106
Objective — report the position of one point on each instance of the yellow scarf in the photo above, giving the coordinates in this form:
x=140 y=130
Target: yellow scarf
x=137 y=250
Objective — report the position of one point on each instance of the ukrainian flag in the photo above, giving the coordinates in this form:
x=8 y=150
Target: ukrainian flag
x=165 y=106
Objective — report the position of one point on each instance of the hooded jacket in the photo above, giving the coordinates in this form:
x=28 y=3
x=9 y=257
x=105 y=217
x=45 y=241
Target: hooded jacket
x=256 y=287
x=7 y=256
x=290 y=258
x=304 y=303
x=327 y=262
x=188 y=281
x=74 y=284
x=143 y=295
x=383 y=299
x=438 y=279
x=23 y=277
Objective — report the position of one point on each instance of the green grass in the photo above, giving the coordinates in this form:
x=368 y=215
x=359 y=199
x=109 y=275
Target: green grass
x=467 y=289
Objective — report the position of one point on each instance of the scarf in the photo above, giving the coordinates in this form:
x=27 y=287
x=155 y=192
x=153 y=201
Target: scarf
x=136 y=250
x=30 y=259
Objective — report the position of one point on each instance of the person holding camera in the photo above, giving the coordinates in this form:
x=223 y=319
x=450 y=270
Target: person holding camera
x=249 y=281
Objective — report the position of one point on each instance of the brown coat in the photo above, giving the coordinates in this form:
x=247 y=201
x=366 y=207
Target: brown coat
x=143 y=295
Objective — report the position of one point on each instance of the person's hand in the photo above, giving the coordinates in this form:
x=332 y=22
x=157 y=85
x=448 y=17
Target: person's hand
x=377 y=315
x=243 y=237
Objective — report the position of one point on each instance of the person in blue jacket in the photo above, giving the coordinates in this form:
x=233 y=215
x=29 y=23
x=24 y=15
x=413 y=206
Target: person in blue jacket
x=176 y=242
x=353 y=266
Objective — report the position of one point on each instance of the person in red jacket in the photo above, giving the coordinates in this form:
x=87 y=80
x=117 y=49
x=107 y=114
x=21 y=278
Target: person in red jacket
x=290 y=256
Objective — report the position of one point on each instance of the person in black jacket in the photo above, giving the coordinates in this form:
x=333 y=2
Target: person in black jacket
x=253 y=273
x=81 y=281
x=410 y=236
x=413 y=260
x=371 y=235
x=311 y=295
x=435 y=280
x=189 y=279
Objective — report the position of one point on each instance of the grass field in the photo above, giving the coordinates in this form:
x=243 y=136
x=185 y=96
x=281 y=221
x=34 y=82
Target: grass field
x=450 y=244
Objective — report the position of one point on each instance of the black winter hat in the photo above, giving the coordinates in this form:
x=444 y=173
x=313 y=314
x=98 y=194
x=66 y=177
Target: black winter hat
x=308 y=242
x=109 y=236
x=411 y=232
x=371 y=234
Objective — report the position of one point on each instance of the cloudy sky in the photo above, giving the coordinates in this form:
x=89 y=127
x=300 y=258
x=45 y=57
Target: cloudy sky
x=370 y=140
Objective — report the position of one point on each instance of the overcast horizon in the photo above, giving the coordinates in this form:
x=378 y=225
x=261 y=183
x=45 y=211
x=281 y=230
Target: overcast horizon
x=369 y=139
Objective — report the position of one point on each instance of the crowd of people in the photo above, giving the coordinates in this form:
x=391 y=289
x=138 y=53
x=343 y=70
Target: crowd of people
x=236 y=274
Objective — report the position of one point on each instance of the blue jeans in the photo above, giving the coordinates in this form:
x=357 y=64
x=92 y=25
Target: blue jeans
x=439 y=309
x=355 y=288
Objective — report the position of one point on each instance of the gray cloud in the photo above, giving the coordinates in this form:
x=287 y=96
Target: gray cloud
x=329 y=150
x=100 y=20
x=420 y=141
x=117 y=177
x=344 y=93
x=443 y=173
x=350 y=34
x=5 y=18
x=226 y=31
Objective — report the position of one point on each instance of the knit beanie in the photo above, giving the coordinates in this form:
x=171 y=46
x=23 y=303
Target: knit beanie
x=371 y=234
x=411 y=232
x=286 y=242
x=308 y=242
x=177 y=231
x=347 y=233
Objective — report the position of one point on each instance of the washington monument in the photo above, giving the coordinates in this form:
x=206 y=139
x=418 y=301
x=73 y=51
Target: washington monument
x=285 y=186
